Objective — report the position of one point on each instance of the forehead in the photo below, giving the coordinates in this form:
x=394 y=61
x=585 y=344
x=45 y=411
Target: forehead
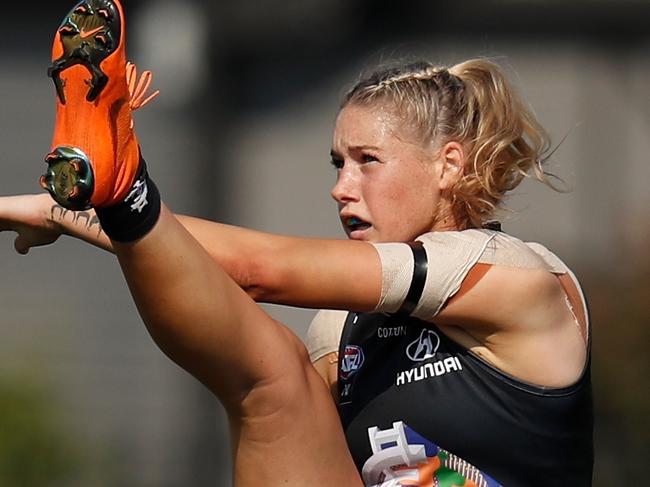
x=377 y=126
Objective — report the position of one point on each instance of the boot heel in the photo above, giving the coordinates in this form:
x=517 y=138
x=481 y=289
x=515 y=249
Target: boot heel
x=69 y=178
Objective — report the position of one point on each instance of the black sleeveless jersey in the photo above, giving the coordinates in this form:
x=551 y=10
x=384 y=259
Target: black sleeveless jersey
x=418 y=408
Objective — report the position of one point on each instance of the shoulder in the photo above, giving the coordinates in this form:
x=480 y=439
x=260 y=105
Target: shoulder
x=492 y=247
x=448 y=257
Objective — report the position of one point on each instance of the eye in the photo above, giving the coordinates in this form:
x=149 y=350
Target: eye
x=336 y=162
x=369 y=158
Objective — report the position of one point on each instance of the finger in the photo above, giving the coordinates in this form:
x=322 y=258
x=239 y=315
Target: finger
x=21 y=245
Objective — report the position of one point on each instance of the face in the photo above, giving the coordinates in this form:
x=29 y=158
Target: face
x=388 y=186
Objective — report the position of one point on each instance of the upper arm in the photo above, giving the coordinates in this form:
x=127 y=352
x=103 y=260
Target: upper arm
x=428 y=277
x=473 y=278
x=496 y=297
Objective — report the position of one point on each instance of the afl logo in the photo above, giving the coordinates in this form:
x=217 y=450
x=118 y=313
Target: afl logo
x=352 y=361
x=424 y=347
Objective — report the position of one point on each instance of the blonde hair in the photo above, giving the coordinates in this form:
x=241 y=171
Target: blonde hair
x=473 y=104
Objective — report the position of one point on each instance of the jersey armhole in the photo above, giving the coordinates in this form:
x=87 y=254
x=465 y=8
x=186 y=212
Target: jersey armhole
x=576 y=303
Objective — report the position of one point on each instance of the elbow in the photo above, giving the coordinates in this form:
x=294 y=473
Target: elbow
x=256 y=293
x=270 y=273
x=258 y=281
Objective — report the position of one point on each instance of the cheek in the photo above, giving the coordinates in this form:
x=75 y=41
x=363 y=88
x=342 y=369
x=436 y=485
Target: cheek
x=410 y=191
x=408 y=207
x=395 y=210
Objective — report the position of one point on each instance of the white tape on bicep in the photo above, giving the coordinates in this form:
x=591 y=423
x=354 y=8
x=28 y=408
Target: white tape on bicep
x=396 y=275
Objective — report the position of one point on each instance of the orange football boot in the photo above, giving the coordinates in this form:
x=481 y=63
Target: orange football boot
x=95 y=155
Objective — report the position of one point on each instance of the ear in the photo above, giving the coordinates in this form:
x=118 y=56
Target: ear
x=452 y=157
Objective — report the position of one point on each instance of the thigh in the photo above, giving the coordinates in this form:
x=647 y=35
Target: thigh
x=286 y=430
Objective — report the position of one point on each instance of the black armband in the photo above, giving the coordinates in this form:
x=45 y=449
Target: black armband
x=420 y=268
x=136 y=215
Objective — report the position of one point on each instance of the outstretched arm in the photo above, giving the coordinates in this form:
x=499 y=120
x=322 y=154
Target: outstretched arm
x=271 y=268
x=335 y=274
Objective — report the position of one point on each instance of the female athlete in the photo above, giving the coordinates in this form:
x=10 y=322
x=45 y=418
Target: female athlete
x=464 y=352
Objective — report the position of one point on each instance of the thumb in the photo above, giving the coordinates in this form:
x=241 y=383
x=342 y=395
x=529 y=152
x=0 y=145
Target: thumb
x=21 y=244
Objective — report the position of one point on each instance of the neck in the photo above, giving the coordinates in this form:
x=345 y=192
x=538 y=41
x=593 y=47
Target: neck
x=447 y=220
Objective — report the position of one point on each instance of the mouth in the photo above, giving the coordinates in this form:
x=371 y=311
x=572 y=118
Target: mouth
x=355 y=226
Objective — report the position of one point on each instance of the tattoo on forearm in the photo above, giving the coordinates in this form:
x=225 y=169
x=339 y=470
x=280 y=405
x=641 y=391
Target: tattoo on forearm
x=85 y=218
x=61 y=210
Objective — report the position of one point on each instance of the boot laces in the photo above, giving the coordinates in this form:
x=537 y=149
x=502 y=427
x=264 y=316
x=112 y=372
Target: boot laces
x=138 y=87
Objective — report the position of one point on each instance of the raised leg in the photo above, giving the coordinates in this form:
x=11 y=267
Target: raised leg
x=284 y=427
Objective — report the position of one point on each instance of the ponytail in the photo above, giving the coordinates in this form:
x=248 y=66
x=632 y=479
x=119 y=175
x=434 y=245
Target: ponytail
x=505 y=141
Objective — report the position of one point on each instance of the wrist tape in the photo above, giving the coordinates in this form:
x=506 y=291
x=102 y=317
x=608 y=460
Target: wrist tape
x=136 y=215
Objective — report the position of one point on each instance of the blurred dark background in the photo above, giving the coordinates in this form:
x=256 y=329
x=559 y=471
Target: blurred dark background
x=241 y=133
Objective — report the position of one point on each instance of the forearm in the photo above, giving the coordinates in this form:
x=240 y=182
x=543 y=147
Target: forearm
x=315 y=273
x=271 y=268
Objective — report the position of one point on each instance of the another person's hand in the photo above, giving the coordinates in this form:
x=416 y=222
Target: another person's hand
x=27 y=215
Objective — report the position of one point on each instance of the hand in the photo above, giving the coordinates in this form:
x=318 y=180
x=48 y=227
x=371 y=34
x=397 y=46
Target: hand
x=27 y=216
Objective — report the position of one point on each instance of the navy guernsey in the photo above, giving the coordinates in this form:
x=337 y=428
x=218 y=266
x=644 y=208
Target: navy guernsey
x=418 y=407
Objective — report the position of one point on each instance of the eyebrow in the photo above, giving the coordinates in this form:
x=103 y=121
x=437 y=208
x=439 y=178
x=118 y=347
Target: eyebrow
x=356 y=148
x=363 y=147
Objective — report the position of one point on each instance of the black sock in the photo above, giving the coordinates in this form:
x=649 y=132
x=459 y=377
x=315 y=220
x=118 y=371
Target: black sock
x=136 y=215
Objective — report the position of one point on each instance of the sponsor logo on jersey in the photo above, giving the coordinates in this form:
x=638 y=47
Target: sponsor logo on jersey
x=428 y=370
x=353 y=359
x=391 y=331
x=425 y=347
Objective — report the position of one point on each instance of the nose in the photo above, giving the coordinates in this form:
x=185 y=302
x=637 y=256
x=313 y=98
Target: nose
x=345 y=190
